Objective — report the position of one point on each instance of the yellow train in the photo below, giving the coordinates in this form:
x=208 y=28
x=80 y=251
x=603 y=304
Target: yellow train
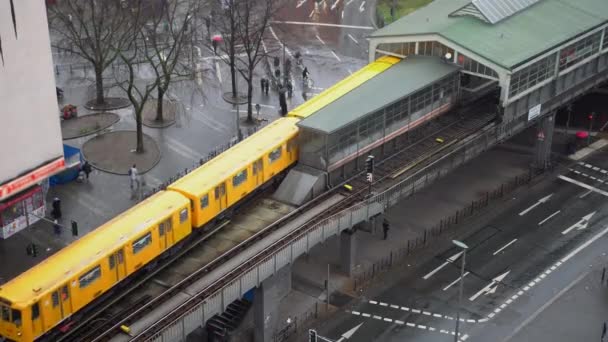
x=49 y=297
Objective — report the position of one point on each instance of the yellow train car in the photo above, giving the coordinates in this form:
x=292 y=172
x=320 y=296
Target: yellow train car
x=224 y=180
x=344 y=86
x=52 y=291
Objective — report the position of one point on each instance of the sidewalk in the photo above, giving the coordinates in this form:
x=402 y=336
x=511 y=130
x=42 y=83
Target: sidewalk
x=408 y=219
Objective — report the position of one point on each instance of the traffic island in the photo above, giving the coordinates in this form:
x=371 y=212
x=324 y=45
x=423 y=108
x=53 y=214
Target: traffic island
x=114 y=152
x=110 y=103
x=88 y=124
x=149 y=114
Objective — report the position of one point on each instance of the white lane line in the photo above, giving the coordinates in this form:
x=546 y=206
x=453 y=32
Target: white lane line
x=319 y=38
x=455 y=281
x=301 y=3
x=274 y=34
x=366 y=315
x=349 y=71
x=217 y=71
x=342 y=15
x=348 y=2
x=311 y=13
x=321 y=24
x=264 y=47
x=585 y=194
x=583 y=185
x=268 y=106
x=333 y=7
x=585 y=245
x=539 y=202
x=549 y=217
x=338 y=58
x=388 y=319
x=504 y=247
x=362 y=7
x=448 y=261
x=353 y=39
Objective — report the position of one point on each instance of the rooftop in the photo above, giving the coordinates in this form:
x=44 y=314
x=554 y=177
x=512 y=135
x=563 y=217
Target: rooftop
x=509 y=42
x=404 y=78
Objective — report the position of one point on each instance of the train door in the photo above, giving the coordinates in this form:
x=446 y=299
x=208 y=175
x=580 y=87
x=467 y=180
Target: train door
x=258 y=172
x=53 y=314
x=166 y=234
x=291 y=149
x=117 y=265
x=37 y=329
x=66 y=303
x=220 y=196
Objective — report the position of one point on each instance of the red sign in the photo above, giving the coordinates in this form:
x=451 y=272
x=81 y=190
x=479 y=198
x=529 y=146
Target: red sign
x=31 y=178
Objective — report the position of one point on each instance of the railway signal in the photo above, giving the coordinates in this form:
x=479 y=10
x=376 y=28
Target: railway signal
x=369 y=166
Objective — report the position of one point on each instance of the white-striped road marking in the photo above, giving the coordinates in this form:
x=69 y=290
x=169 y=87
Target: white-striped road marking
x=319 y=38
x=549 y=217
x=349 y=71
x=585 y=245
x=504 y=247
x=409 y=324
x=335 y=4
x=322 y=24
x=449 y=261
x=539 y=202
x=491 y=287
x=353 y=39
x=362 y=7
x=338 y=58
x=455 y=281
x=348 y=2
x=583 y=185
x=580 y=225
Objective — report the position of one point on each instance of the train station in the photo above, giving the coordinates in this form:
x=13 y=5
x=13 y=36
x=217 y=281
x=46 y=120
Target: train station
x=300 y=203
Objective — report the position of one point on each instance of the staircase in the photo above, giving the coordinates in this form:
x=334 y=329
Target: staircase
x=219 y=327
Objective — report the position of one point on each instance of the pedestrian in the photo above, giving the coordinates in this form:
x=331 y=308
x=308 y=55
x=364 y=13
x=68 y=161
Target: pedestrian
x=289 y=89
x=305 y=73
x=56 y=227
x=214 y=43
x=56 y=211
x=208 y=25
x=277 y=72
x=133 y=177
x=262 y=84
x=267 y=85
x=257 y=109
x=304 y=95
x=385 y=228
x=86 y=167
x=283 y=103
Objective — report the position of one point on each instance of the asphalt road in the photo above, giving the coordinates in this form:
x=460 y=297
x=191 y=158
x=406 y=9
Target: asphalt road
x=521 y=258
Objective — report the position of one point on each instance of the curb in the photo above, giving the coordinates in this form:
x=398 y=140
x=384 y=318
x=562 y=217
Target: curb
x=95 y=131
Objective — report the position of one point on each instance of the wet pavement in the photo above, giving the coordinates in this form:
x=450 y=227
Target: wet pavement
x=204 y=120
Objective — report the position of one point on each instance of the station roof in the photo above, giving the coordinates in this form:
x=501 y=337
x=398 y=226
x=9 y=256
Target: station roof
x=409 y=75
x=511 y=41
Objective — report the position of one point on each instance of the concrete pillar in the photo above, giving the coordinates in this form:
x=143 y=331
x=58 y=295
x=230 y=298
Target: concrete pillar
x=266 y=303
x=544 y=139
x=347 y=252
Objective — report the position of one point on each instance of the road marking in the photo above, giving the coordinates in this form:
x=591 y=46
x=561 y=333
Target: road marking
x=585 y=245
x=311 y=13
x=182 y=149
x=268 y=106
x=539 y=202
x=505 y=246
x=217 y=71
x=349 y=71
x=342 y=15
x=583 y=185
x=449 y=261
x=353 y=39
x=548 y=218
x=335 y=4
x=491 y=287
x=348 y=2
x=264 y=47
x=362 y=7
x=580 y=225
x=301 y=3
x=321 y=24
x=338 y=58
x=455 y=281
x=319 y=38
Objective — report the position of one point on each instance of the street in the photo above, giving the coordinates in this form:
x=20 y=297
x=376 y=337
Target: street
x=522 y=257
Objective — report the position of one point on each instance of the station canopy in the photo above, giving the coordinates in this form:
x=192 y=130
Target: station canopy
x=504 y=35
x=404 y=78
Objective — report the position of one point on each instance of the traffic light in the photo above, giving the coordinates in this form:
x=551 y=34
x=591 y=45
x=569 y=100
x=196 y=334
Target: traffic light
x=312 y=335
x=74 y=228
x=34 y=250
x=369 y=164
x=590 y=117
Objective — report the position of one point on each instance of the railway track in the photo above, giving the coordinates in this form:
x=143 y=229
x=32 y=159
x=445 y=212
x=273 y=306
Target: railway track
x=449 y=127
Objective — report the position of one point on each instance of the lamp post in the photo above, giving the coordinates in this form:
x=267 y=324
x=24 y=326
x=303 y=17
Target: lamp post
x=464 y=248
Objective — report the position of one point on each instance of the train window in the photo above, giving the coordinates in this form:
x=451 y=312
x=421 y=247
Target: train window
x=165 y=226
x=275 y=155
x=183 y=216
x=142 y=242
x=35 y=312
x=55 y=297
x=64 y=293
x=239 y=178
x=204 y=201
x=89 y=277
x=5 y=313
x=17 y=316
x=112 y=261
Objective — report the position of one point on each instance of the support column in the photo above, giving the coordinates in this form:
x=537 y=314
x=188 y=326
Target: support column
x=544 y=139
x=266 y=303
x=347 y=251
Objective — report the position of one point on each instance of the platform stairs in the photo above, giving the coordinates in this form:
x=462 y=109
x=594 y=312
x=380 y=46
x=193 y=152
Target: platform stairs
x=220 y=327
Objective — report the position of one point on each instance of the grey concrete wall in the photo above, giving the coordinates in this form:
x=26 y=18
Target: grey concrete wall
x=266 y=301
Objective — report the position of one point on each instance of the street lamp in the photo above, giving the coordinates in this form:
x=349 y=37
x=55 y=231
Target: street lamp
x=464 y=248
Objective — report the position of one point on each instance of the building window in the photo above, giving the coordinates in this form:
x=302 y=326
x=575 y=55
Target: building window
x=183 y=215
x=239 y=178
x=274 y=155
x=531 y=75
x=204 y=201
x=576 y=52
x=89 y=277
x=142 y=243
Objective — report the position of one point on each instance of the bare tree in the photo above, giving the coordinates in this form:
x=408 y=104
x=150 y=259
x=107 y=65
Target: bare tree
x=94 y=30
x=223 y=20
x=252 y=17
x=168 y=37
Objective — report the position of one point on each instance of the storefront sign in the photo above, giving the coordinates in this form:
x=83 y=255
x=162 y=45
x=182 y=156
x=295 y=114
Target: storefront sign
x=13 y=187
x=534 y=112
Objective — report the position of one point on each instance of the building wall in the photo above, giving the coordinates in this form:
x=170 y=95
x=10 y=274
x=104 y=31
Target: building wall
x=31 y=134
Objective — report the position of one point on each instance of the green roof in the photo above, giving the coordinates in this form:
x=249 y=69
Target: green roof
x=512 y=41
x=402 y=79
